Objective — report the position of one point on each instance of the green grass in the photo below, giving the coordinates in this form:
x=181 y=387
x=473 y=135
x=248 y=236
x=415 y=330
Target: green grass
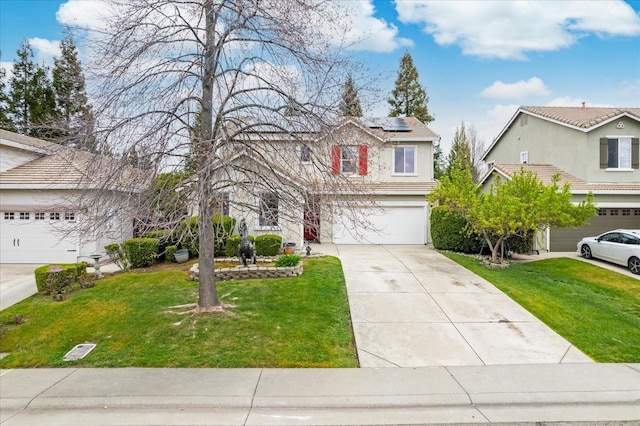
x=294 y=322
x=595 y=309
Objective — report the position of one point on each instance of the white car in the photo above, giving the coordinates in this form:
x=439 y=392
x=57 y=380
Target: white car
x=621 y=246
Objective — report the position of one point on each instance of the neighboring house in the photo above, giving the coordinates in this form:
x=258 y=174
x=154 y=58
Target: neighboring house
x=594 y=149
x=55 y=201
x=386 y=168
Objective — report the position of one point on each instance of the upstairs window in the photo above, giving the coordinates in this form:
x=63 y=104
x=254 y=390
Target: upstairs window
x=404 y=160
x=619 y=153
x=305 y=154
x=268 y=204
x=349 y=159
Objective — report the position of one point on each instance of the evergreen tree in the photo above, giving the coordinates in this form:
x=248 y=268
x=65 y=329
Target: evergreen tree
x=5 y=120
x=409 y=98
x=460 y=154
x=31 y=95
x=350 y=102
x=75 y=117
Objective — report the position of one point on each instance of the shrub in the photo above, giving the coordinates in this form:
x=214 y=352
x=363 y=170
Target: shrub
x=116 y=253
x=518 y=244
x=169 y=252
x=222 y=229
x=268 y=245
x=188 y=233
x=54 y=278
x=449 y=231
x=141 y=251
x=233 y=244
x=287 y=260
x=164 y=239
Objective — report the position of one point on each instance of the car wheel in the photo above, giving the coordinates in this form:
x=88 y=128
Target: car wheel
x=634 y=265
x=585 y=251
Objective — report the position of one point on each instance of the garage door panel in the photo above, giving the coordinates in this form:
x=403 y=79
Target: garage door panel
x=37 y=241
x=389 y=225
x=566 y=239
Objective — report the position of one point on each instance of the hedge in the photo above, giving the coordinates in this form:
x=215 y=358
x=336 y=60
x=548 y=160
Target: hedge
x=141 y=252
x=63 y=277
x=268 y=245
x=233 y=244
x=449 y=231
x=188 y=233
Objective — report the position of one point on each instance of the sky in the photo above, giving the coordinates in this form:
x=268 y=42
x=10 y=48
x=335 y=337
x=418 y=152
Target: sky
x=478 y=60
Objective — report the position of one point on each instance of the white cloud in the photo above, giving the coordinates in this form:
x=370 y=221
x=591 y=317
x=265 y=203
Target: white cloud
x=368 y=33
x=518 y=90
x=510 y=30
x=45 y=50
x=85 y=14
x=8 y=69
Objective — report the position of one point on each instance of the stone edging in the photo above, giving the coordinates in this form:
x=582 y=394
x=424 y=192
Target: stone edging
x=249 y=272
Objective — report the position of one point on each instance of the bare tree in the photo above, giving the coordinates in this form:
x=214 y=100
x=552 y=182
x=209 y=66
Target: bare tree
x=476 y=146
x=234 y=88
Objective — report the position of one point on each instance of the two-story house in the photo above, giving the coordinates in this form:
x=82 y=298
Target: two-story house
x=54 y=201
x=361 y=181
x=594 y=149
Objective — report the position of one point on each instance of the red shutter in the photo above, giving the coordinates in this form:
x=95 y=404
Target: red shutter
x=362 y=160
x=335 y=159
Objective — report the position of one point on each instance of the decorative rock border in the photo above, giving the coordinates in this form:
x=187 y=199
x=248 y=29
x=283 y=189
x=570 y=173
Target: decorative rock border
x=248 y=272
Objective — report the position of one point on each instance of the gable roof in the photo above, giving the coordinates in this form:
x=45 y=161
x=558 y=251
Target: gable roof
x=583 y=119
x=545 y=173
x=62 y=167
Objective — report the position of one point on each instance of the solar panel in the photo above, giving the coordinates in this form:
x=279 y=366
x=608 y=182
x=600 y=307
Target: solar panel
x=388 y=124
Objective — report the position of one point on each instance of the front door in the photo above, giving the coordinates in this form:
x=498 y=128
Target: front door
x=312 y=221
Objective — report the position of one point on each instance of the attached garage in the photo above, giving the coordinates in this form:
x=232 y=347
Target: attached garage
x=388 y=224
x=565 y=239
x=37 y=237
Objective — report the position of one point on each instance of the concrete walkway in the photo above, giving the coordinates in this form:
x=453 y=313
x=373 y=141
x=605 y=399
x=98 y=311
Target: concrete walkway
x=413 y=307
x=491 y=362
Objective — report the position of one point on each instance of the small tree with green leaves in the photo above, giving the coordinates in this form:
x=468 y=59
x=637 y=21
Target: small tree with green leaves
x=517 y=206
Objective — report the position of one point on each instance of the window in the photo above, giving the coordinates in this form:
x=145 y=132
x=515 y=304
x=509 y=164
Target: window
x=524 y=157
x=54 y=216
x=221 y=203
x=619 y=152
x=349 y=159
x=9 y=216
x=39 y=216
x=630 y=239
x=404 y=160
x=70 y=216
x=305 y=154
x=626 y=212
x=613 y=212
x=268 y=204
x=24 y=216
x=636 y=212
x=602 y=212
x=612 y=237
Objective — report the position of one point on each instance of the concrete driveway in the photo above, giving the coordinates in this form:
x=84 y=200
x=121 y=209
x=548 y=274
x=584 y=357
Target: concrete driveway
x=17 y=282
x=413 y=307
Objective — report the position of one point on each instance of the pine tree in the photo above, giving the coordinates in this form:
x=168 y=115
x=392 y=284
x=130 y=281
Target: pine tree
x=350 y=102
x=409 y=98
x=75 y=117
x=31 y=95
x=460 y=154
x=5 y=120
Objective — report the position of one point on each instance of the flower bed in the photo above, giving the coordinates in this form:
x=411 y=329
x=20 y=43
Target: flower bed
x=249 y=272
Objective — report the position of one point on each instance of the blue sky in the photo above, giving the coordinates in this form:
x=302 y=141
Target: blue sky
x=478 y=60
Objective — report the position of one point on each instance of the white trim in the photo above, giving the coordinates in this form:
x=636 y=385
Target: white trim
x=606 y=191
x=618 y=170
x=609 y=205
x=415 y=161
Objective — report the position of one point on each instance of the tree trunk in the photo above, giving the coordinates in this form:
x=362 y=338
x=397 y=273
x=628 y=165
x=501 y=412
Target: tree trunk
x=208 y=294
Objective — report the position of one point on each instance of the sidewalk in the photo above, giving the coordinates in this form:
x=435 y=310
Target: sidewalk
x=578 y=393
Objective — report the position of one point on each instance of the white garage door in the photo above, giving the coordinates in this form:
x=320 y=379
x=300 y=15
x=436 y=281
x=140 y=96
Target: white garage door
x=27 y=237
x=389 y=225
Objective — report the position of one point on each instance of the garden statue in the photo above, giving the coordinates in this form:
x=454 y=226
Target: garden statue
x=246 y=250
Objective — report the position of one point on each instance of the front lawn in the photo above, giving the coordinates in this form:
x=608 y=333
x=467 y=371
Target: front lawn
x=596 y=309
x=301 y=321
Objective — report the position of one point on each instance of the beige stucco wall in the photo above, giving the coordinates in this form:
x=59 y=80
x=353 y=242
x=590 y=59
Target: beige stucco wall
x=571 y=150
